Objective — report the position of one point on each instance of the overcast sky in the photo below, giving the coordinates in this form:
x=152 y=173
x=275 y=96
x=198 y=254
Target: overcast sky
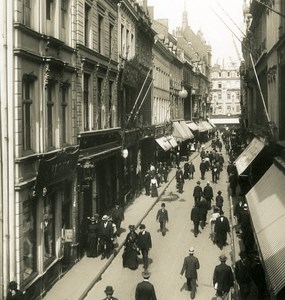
x=201 y=16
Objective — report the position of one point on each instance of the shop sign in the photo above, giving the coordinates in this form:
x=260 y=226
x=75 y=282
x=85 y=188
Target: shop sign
x=56 y=169
x=68 y=235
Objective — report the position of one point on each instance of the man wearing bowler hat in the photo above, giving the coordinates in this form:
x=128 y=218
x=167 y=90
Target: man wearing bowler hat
x=144 y=243
x=109 y=293
x=190 y=266
x=145 y=290
x=223 y=279
x=197 y=192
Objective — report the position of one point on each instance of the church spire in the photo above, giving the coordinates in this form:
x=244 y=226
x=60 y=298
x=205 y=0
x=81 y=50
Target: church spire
x=184 y=18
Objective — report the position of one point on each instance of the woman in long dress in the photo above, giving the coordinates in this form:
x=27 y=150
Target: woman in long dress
x=130 y=255
x=153 y=187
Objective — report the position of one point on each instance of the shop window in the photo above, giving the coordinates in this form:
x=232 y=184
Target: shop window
x=29 y=239
x=49 y=229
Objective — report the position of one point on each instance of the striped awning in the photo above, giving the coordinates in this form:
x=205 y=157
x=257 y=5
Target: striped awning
x=172 y=141
x=266 y=203
x=248 y=155
x=179 y=133
x=186 y=129
x=204 y=126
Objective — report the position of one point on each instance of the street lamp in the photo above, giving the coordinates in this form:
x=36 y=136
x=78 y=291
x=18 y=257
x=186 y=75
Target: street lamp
x=183 y=93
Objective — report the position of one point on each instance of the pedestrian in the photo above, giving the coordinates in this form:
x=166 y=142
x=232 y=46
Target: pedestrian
x=106 y=237
x=147 y=183
x=242 y=274
x=238 y=207
x=223 y=279
x=219 y=200
x=14 y=292
x=233 y=180
x=162 y=218
x=195 y=218
x=197 y=193
x=145 y=290
x=198 y=146
x=153 y=187
x=165 y=171
x=186 y=170
x=215 y=214
x=190 y=266
x=131 y=251
x=203 y=209
x=215 y=172
x=179 y=180
x=222 y=228
x=144 y=244
x=208 y=194
x=203 y=169
x=191 y=170
x=109 y=293
x=93 y=236
x=117 y=217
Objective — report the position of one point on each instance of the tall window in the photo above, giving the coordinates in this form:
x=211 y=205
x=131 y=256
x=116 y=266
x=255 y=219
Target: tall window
x=27 y=15
x=64 y=92
x=111 y=103
x=86 y=24
x=26 y=114
x=50 y=104
x=29 y=239
x=111 y=29
x=64 y=4
x=122 y=40
x=100 y=33
x=49 y=9
x=86 y=101
x=127 y=42
x=100 y=102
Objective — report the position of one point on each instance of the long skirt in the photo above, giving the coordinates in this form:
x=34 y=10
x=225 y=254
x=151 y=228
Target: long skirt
x=130 y=258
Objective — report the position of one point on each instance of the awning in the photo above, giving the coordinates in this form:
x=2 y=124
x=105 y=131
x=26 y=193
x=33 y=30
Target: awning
x=186 y=129
x=163 y=143
x=248 y=155
x=172 y=141
x=179 y=133
x=204 y=126
x=193 y=126
x=267 y=208
x=211 y=123
x=225 y=121
x=208 y=125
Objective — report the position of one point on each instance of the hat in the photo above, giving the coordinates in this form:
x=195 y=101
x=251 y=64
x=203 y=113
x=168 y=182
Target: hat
x=12 y=285
x=132 y=227
x=146 y=274
x=109 y=290
x=142 y=226
x=222 y=257
x=208 y=182
x=198 y=182
x=92 y=219
x=245 y=206
x=163 y=204
x=105 y=218
x=191 y=250
x=219 y=192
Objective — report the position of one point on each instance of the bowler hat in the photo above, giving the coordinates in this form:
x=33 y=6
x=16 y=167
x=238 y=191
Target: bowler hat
x=145 y=274
x=219 y=192
x=12 y=285
x=132 y=227
x=198 y=182
x=222 y=257
x=109 y=290
x=105 y=218
x=142 y=226
x=191 y=250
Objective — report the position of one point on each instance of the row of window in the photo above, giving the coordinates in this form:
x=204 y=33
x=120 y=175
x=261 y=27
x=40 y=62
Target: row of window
x=58 y=110
x=226 y=85
x=225 y=74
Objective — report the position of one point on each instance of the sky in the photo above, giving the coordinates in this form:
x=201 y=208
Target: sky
x=202 y=14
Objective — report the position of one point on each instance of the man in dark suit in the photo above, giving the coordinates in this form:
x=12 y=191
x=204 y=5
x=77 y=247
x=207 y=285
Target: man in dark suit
x=145 y=290
x=223 y=279
x=208 y=194
x=162 y=218
x=109 y=293
x=197 y=192
x=144 y=244
x=203 y=168
x=222 y=228
x=195 y=217
x=190 y=266
x=106 y=237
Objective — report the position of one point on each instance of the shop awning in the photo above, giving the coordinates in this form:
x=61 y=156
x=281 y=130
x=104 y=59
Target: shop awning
x=179 y=133
x=163 y=143
x=248 y=155
x=267 y=208
x=204 y=126
x=211 y=123
x=193 y=126
x=225 y=121
x=172 y=141
x=186 y=129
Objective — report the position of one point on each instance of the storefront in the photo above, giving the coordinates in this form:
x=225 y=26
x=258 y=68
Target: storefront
x=49 y=243
x=267 y=210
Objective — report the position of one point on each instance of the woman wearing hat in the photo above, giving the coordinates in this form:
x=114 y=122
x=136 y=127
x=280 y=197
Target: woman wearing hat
x=109 y=293
x=92 y=236
x=130 y=255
